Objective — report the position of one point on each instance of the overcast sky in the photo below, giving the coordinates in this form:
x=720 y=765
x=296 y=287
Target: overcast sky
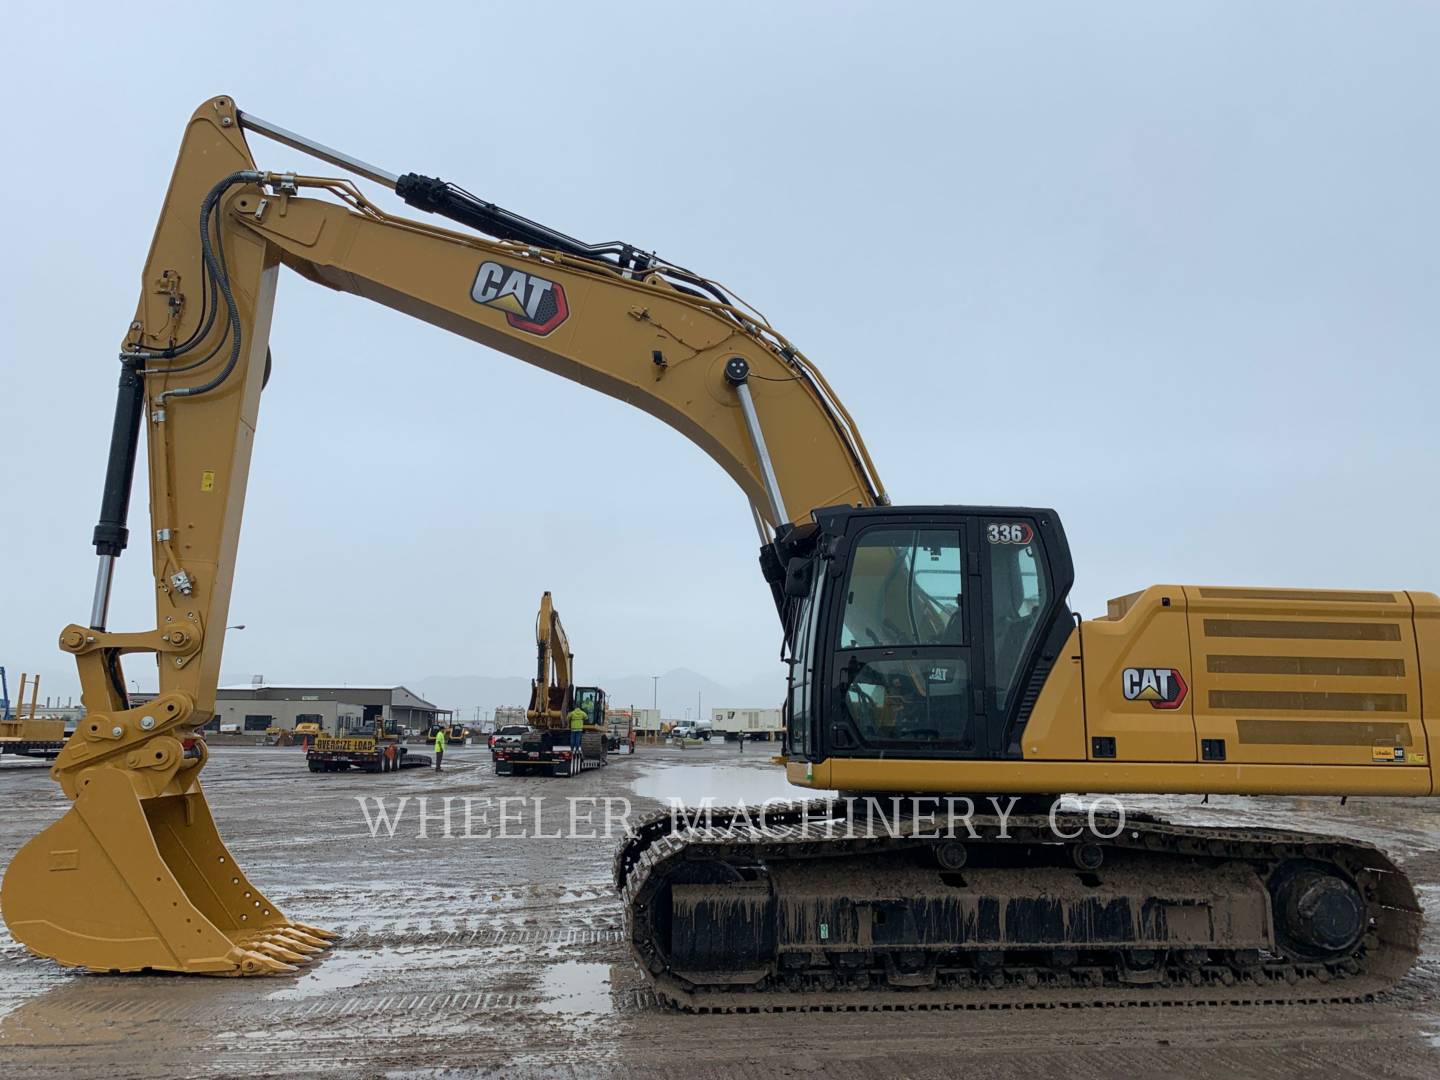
x=1168 y=268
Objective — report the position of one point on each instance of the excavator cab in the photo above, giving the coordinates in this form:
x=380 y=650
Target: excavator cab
x=919 y=632
x=592 y=700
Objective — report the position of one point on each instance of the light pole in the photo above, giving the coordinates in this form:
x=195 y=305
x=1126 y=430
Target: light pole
x=655 y=693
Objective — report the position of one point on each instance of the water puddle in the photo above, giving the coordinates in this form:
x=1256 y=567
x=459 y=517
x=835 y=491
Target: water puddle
x=344 y=969
x=724 y=785
x=335 y=972
x=574 y=986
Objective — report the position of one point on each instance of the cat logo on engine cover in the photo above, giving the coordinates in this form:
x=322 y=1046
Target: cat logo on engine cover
x=1162 y=687
x=530 y=302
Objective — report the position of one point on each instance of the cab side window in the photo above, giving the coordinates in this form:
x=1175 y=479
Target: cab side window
x=802 y=673
x=1019 y=594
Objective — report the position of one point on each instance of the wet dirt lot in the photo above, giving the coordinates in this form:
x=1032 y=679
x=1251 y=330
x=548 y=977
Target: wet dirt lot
x=505 y=955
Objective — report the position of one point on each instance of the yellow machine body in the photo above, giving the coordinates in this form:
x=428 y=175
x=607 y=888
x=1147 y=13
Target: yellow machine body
x=1305 y=690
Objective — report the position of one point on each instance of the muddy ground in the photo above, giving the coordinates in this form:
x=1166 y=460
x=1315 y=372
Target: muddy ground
x=505 y=956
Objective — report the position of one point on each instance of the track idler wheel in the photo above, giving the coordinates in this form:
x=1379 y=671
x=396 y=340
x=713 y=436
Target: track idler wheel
x=951 y=855
x=1087 y=857
x=1319 y=915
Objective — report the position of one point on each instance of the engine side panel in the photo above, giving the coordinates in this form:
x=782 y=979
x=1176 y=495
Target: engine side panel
x=1307 y=676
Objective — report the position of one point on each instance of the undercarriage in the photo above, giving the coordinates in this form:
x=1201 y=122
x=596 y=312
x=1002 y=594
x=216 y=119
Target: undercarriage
x=826 y=905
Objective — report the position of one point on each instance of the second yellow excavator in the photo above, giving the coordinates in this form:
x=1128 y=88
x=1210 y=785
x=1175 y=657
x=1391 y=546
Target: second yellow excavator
x=934 y=662
x=553 y=744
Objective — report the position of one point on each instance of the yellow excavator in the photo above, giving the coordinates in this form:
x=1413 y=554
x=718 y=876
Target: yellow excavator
x=548 y=746
x=933 y=662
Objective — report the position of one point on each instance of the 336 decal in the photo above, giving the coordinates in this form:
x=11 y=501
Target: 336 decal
x=1009 y=532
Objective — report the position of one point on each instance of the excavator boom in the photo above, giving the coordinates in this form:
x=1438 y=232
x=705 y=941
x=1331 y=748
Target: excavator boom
x=552 y=691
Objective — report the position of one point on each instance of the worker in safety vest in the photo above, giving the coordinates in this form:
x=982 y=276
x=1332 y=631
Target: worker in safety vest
x=577 y=725
x=439 y=747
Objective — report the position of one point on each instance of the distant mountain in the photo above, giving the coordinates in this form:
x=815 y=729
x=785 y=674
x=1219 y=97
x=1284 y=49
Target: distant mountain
x=467 y=691
x=678 y=690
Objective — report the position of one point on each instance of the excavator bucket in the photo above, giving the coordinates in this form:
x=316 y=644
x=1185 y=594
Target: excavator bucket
x=125 y=883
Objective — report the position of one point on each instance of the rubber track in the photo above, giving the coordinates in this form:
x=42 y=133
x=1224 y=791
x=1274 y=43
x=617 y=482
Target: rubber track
x=808 y=830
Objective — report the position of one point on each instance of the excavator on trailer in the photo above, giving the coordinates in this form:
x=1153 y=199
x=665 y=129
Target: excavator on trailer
x=546 y=745
x=933 y=661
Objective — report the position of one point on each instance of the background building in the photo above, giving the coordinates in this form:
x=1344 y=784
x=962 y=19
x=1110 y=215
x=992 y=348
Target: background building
x=257 y=706
x=752 y=723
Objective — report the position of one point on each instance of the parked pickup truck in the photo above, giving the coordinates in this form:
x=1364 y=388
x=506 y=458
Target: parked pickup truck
x=508 y=736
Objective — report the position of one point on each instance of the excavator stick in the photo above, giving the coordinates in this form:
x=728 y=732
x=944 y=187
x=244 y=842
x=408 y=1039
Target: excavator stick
x=121 y=883
x=135 y=876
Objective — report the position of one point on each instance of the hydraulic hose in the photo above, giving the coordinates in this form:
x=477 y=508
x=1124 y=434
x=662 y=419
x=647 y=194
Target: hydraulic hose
x=220 y=277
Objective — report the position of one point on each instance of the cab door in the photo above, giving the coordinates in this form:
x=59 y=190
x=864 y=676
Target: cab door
x=1021 y=621
x=902 y=671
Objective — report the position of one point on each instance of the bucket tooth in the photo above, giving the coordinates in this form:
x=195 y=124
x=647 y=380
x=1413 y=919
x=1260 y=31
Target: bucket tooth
x=314 y=931
x=279 y=940
x=299 y=932
x=279 y=952
x=251 y=962
x=299 y=942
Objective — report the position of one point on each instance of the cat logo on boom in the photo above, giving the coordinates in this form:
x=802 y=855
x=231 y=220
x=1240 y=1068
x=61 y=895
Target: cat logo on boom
x=1162 y=687
x=530 y=302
